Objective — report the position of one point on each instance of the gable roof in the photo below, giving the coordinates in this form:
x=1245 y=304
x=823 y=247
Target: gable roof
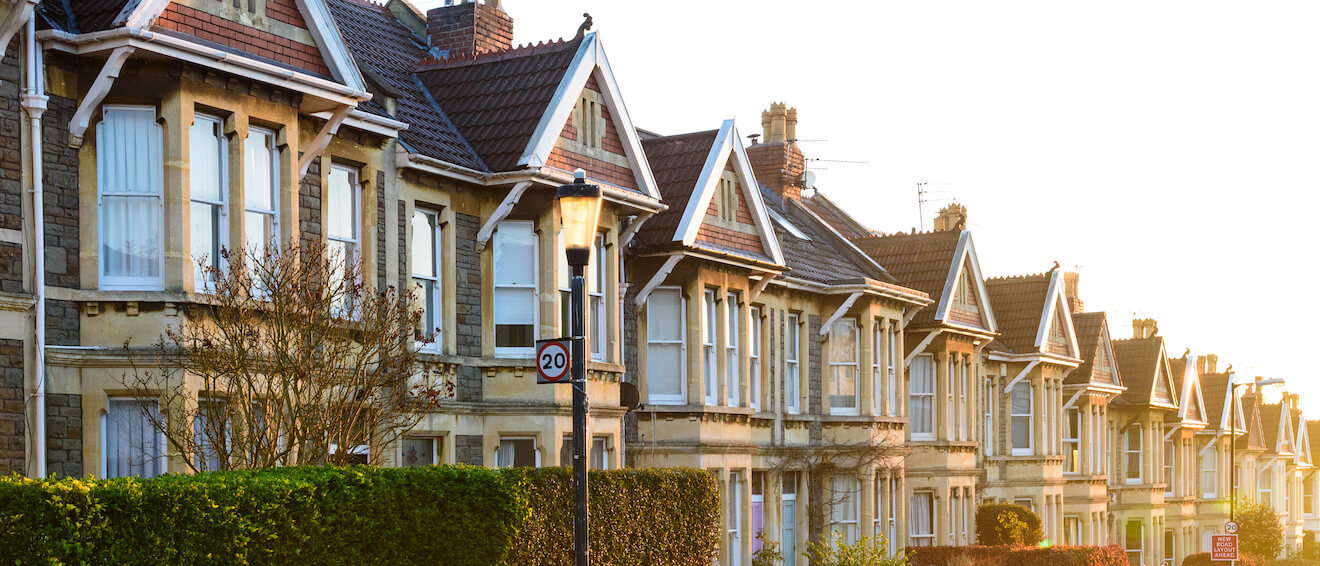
x=840 y=221
x=825 y=257
x=513 y=105
x=388 y=51
x=1142 y=362
x=1312 y=437
x=1190 y=396
x=931 y=262
x=1255 y=437
x=1277 y=428
x=1092 y=331
x=1215 y=388
x=1303 y=443
x=1027 y=308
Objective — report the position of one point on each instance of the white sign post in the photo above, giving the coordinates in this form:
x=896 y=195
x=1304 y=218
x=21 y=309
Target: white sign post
x=553 y=359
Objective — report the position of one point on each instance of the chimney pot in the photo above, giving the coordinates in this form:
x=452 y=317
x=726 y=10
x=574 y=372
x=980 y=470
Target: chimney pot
x=461 y=28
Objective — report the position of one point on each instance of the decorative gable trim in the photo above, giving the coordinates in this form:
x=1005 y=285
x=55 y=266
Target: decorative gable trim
x=1191 y=387
x=966 y=255
x=1055 y=306
x=1162 y=375
x=727 y=145
x=1107 y=349
x=1283 y=441
x=589 y=61
x=1303 y=442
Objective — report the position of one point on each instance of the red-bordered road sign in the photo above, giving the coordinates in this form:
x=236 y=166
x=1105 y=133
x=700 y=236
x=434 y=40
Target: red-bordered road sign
x=1223 y=547
x=553 y=358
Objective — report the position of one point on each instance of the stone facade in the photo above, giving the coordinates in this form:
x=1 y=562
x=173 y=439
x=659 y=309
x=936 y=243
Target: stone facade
x=468 y=449
x=13 y=431
x=63 y=323
x=64 y=424
x=309 y=202
x=11 y=124
x=467 y=276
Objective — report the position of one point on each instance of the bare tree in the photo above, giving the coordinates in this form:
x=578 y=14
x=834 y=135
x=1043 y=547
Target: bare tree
x=293 y=360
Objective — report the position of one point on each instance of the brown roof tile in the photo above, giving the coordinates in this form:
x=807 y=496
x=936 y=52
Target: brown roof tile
x=676 y=163
x=840 y=221
x=1214 y=387
x=1269 y=424
x=920 y=261
x=1018 y=303
x=1138 y=360
x=1089 y=327
x=825 y=258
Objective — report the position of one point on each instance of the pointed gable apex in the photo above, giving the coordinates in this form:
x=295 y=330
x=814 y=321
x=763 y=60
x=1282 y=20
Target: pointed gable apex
x=1104 y=365
x=1229 y=410
x=1285 y=438
x=1056 y=319
x=1192 y=404
x=588 y=62
x=965 y=260
x=1162 y=386
x=1303 y=442
x=727 y=150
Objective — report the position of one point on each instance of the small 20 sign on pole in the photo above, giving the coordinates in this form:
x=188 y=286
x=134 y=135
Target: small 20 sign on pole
x=553 y=358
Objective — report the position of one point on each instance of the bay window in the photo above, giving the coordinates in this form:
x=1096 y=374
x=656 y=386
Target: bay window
x=709 y=365
x=426 y=261
x=130 y=205
x=665 y=363
x=734 y=379
x=1210 y=473
x=261 y=172
x=1132 y=452
x=922 y=402
x=208 y=174
x=754 y=360
x=1022 y=419
x=792 y=366
x=921 y=522
x=843 y=367
x=344 y=231
x=844 y=513
x=132 y=444
x=597 y=278
x=1072 y=422
x=516 y=305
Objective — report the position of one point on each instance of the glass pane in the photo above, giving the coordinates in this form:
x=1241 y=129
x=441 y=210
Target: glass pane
x=258 y=170
x=205 y=237
x=1021 y=432
x=515 y=254
x=1022 y=400
x=843 y=341
x=663 y=313
x=664 y=363
x=514 y=306
x=342 y=207
x=205 y=149
x=423 y=244
x=418 y=452
x=129 y=160
x=843 y=381
x=257 y=231
x=130 y=236
x=132 y=443
x=429 y=322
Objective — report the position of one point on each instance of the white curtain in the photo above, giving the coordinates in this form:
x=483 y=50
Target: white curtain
x=515 y=284
x=920 y=520
x=664 y=345
x=129 y=183
x=132 y=445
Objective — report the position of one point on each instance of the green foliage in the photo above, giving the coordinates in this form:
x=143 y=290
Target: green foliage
x=1111 y=555
x=1292 y=562
x=866 y=551
x=1203 y=559
x=1260 y=533
x=638 y=517
x=457 y=515
x=1007 y=523
x=769 y=554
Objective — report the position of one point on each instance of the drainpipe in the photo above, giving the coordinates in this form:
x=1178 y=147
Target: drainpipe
x=34 y=102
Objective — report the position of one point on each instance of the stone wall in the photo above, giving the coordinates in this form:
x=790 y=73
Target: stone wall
x=60 y=211
x=11 y=125
x=11 y=268
x=63 y=325
x=467 y=263
x=467 y=450
x=380 y=230
x=309 y=202
x=64 y=424
x=12 y=425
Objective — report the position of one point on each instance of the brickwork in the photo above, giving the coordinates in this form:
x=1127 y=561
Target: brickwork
x=403 y=245
x=64 y=423
x=285 y=11
x=631 y=358
x=60 y=184
x=63 y=325
x=469 y=384
x=309 y=202
x=814 y=385
x=380 y=230
x=469 y=28
x=729 y=238
x=467 y=265
x=12 y=426
x=467 y=450
x=202 y=25
x=11 y=124
x=11 y=268
x=595 y=168
x=779 y=166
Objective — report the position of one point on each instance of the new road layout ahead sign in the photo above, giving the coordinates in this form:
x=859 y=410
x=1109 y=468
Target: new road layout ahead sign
x=553 y=360
x=1223 y=547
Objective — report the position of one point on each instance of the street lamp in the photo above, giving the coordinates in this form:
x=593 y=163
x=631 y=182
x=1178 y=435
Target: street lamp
x=1232 y=440
x=579 y=210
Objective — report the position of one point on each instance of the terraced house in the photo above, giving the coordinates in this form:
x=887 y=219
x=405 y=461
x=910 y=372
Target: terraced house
x=831 y=377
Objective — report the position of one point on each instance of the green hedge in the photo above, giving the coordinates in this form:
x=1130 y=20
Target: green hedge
x=437 y=515
x=1203 y=559
x=638 y=517
x=1111 y=555
x=991 y=531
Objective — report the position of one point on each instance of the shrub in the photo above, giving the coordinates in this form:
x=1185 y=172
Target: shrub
x=867 y=551
x=769 y=554
x=1259 y=531
x=1203 y=559
x=1292 y=562
x=1006 y=523
x=458 y=515
x=1111 y=555
x=638 y=516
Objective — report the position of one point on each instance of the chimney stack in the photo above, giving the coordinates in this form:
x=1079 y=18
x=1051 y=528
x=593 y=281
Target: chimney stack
x=1208 y=363
x=776 y=159
x=466 y=27
x=1144 y=328
x=952 y=218
x=1075 y=304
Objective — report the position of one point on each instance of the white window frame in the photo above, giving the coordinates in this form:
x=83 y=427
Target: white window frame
x=837 y=366
x=1210 y=489
x=1028 y=418
x=921 y=535
x=1129 y=453
x=710 y=365
x=877 y=376
x=352 y=243
x=732 y=343
x=104 y=155
x=1140 y=549
x=1308 y=499
x=792 y=365
x=433 y=317
x=989 y=431
x=845 y=507
x=680 y=341
x=536 y=450
x=1072 y=442
x=435 y=450
x=734 y=526
x=892 y=408
x=599 y=453
x=271 y=216
x=1072 y=530
x=529 y=288
x=964 y=414
x=221 y=205
x=1265 y=486
x=922 y=396
x=161 y=458
x=598 y=312
x=754 y=369
x=1168 y=456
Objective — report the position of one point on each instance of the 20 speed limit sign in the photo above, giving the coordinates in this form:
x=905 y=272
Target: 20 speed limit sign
x=553 y=360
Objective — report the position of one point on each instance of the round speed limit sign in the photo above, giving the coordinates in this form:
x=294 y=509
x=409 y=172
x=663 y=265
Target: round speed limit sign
x=552 y=361
x=1231 y=527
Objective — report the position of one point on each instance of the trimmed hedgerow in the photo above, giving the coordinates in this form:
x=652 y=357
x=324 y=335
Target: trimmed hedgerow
x=1007 y=523
x=1111 y=555
x=457 y=515
x=1203 y=559
x=638 y=517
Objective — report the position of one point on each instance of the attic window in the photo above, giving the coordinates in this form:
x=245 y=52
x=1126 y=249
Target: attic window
x=590 y=123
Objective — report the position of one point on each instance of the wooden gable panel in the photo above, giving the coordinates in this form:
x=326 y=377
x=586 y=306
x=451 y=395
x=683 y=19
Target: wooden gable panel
x=281 y=35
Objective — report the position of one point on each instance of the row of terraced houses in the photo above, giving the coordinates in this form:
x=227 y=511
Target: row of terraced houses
x=831 y=377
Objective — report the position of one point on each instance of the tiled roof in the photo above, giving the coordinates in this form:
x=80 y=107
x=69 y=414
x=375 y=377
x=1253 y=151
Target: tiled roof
x=1177 y=369
x=1214 y=387
x=1138 y=359
x=388 y=51
x=825 y=258
x=497 y=99
x=920 y=261
x=1018 y=303
x=1251 y=416
x=1313 y=437
x=841 y=221
x=1269 y=424
x=81 y=16
x=1090 y=330
x=676 y=163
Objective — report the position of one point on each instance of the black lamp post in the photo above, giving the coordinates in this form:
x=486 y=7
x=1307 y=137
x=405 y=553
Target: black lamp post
x=579 y=211
x=1232 y=437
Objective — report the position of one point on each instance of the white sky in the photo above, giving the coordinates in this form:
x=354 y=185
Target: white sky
x=1166 y=149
